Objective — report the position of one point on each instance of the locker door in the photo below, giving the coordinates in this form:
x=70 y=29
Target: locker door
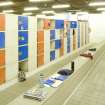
x=40 y=60
x=2 y=75
x=40 y=48
x=59 y=24
x=52 y=34
x=23 y=53
x=57 y=44
x=23 y=37
x=73 y=24
x=68 y=41
x=47 y=24
x=62 y=47
x=2 y=22
x=2 y=40
x=2 y=57
x=22 y=23
x=52 y=55
x=74 y=39
x=40 y=36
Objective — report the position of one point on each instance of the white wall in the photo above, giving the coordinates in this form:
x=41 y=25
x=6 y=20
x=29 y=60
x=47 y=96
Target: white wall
x=97 y=25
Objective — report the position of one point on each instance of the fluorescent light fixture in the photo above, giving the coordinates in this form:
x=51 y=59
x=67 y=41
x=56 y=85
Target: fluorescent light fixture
x=31 y=8
x=100 y=9
x=8 y=11
x=97 y=4
x=28 y=13
x=6 y=3
x=48 y=12
x=39 y=0
x=61 y=6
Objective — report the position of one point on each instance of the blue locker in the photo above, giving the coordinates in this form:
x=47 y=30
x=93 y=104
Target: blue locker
x=2 y=40
x=23 y=52
x=73 y=24
x=22 y=23
x=59 y=24
x=57 y=44
x=52 y=34
x=52 y=55
x=23 y=37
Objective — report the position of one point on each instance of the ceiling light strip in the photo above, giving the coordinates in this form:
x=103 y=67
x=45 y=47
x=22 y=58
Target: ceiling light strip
x=31 y=8
x=8 y=11
x=6 y=3
x=100 y=9
x=97 y=4
x=61 y=6
x=40 y=0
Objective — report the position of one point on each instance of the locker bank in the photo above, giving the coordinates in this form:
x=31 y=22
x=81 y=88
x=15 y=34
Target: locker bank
x=52 y=52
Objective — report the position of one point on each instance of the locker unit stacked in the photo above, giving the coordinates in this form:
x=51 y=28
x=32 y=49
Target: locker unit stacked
x=83 y=31
x=40 y=42
x=67 y=35
x=8 y=47
x=23 y=42
x=74 y=34
x=55 y=38
x=2 y=49
x=57 y=49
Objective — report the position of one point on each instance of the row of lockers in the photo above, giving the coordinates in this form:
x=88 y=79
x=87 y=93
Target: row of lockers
x=59 y=38
x=2 y=49
x=24 y=40
x=9 y=46
x=54 y=24
x=63 y=40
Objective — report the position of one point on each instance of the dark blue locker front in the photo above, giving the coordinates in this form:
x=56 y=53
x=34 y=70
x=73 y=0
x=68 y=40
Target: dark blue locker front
x=73 y=24
x=57 y=44
x=2 y=40
x=59 y=24
x=52 y=34
x=23 y=52
x=52 y=55
x=22 y=23
x=23 y=37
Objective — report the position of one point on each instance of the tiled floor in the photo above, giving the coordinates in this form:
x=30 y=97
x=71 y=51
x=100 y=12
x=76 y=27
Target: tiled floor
x=92 y=90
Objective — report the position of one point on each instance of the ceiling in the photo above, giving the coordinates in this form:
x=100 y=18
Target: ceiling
x=75 y=5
